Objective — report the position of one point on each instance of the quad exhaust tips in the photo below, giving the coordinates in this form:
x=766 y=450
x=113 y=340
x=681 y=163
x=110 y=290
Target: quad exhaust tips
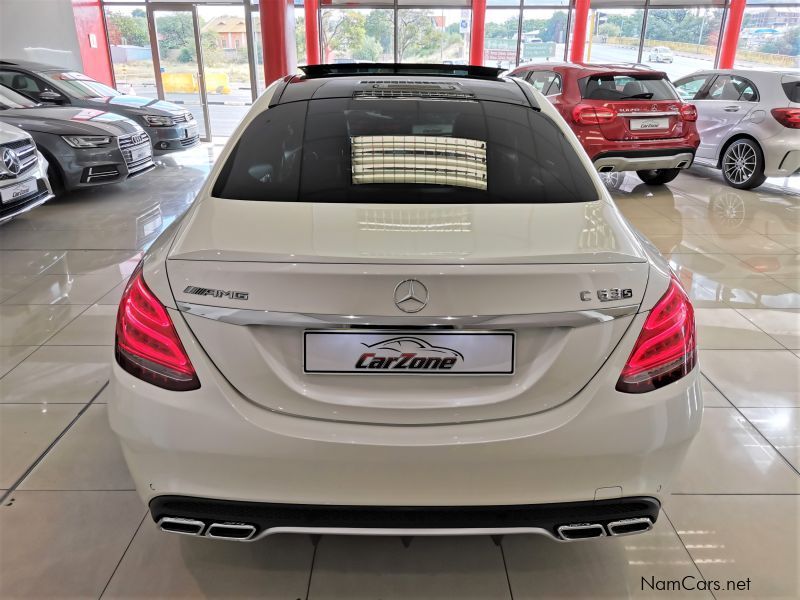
x=224 y=531
x=585 y=531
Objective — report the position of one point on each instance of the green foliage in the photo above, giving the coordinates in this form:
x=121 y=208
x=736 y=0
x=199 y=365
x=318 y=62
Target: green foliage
x=370 y=49
x=788 y=43
x=418 y=36
x=185 y=55
x=124 y=29
x=379 y=27
x=176 y=32
x=690 y=25
x=609 y=30
x=342 y=30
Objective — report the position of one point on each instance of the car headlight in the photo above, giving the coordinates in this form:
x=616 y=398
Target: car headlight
x=159 y=121
x=87 y=141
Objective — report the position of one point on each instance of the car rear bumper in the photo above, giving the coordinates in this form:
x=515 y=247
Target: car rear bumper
x=214 y=443
x=248 y=521
x=639 y=160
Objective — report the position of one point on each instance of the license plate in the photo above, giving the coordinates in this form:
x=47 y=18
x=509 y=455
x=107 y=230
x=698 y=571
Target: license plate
x=190 y=131
x=644 y=124
x=409 y=353
x=140 y=152
x=18 y=190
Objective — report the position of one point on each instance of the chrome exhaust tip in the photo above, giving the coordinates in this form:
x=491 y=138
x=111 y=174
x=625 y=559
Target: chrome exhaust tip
x=581 y=531
x=630 y=526
x=240 y=532
x=181 y=526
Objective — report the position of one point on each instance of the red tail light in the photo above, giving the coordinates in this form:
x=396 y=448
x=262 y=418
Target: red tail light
x=788 y=117
x=583 y=114
x=667 y=346
x=688 y=112
x=148 y=347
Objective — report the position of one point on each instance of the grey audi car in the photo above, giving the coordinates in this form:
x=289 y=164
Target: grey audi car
x=170 y=126
x=85 y=147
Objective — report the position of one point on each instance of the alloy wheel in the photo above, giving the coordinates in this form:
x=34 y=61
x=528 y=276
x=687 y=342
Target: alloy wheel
x=740 y=162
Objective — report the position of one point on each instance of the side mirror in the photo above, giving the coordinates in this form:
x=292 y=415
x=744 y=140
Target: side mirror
x=51 y=96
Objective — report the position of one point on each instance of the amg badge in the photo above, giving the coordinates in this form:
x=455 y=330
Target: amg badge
x=199 y=291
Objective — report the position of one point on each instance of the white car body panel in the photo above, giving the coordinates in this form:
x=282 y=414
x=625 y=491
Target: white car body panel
x=259 y=429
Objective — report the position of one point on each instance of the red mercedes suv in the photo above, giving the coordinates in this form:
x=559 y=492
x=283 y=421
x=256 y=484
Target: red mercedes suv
x=627 y=118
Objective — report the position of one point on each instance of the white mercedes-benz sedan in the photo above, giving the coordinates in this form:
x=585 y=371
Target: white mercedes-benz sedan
x=404 y=303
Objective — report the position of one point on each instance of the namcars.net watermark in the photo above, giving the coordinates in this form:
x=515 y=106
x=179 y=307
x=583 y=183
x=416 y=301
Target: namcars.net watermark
x=693 y=583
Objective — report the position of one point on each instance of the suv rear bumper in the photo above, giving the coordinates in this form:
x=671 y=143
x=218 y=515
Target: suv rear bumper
x=248 y=521
x=638 y=160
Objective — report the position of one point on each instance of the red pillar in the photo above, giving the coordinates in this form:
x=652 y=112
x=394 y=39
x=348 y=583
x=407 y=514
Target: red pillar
x=312 y=32
x=579 y=31
x=730 y=38
x=92 y=39
x=478 y=29
x=277 y=38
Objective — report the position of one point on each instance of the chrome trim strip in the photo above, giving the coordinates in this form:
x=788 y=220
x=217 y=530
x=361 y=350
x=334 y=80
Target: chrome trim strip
x=407 y=532
x=241 y=527
x=581 y=527
x=181 y=521
x=635 y=521
x=244 y=316
x=657 y=113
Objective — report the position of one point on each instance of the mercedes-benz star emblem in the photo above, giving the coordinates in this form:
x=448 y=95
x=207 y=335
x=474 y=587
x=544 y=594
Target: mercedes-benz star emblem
x=411 y=296
x=11 y=162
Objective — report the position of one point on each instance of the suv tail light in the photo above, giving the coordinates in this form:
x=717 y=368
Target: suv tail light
x=147 y=345
x=667 y=346
x=788 y=117
x=584 y=114
x=688 y=112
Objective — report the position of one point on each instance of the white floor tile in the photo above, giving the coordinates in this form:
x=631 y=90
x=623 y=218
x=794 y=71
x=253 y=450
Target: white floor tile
x=26 y=432
x=350 y=567
x=724 y=328
x=34 y=325
x=781 y=325
x=67 y=289
x=759 y=378
x=729 y=456
x=95 y=327
x=162 y=565
x=11 y=356
x=743 y=537
x=64 y=544
x=781 y=427
x=58 y=375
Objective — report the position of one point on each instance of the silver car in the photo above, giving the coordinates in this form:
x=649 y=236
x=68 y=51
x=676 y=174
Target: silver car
x=23 y=173
x=749 y=122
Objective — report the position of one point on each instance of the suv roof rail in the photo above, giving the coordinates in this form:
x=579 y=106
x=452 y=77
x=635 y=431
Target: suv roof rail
x=344 y=69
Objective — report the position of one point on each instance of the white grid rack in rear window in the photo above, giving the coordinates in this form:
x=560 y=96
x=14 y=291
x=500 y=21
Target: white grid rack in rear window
x=419 y=159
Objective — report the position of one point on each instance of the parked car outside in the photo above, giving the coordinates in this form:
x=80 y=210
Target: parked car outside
x=85 y=147
x=627 y=118
x=169 y=126
x=660 y=54
x=23 y=173
x=749 y=122
x=399 y=281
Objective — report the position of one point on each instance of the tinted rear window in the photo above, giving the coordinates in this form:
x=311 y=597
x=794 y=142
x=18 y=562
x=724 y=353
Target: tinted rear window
x=792 y=90
x=404 y=151
x=626 y=87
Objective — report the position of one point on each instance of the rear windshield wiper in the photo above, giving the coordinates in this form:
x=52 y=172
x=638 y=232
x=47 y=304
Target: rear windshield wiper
x=642 y=96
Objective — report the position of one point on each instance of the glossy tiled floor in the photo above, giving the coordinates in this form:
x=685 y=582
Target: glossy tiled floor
x=71 y=525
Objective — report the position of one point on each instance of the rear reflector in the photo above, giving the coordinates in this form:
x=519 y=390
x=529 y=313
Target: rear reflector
x=788 y=117
x=689 y=112
x=584 y=114
x=147 y=345
x=667 y=346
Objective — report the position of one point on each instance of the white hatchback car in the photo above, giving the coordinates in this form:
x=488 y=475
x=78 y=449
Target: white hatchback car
x=404 y=303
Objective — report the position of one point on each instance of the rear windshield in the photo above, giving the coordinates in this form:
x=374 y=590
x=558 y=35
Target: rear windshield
x=792 y=90
x=626 y=87
x=404 y=151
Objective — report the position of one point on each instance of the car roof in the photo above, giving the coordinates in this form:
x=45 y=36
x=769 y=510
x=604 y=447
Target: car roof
x=593 y=68
x=458 y=82
x=749 y=73
x=31 y=66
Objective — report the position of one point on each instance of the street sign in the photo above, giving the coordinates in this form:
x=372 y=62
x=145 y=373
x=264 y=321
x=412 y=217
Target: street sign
x=538 y=50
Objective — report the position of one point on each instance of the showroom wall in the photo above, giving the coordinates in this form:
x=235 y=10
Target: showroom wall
x=25 y=34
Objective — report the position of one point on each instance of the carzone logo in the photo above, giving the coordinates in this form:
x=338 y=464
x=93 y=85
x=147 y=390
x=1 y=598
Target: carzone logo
x=407 y=354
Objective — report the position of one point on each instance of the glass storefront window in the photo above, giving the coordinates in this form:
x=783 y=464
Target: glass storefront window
x=433 y=36
x=770 y=38
x=543 y=35
x=131 y=54
x=501 y=37
x=615 y=36
x=357 y=35
x=680 y=41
